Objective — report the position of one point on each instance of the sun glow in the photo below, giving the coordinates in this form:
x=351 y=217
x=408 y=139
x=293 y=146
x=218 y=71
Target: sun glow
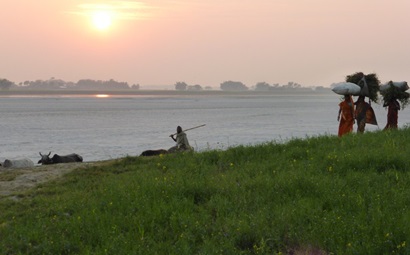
x=102 y=20
x=102 y=96
x=110 y=15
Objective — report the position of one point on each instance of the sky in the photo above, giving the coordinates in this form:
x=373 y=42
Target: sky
x=205 y=42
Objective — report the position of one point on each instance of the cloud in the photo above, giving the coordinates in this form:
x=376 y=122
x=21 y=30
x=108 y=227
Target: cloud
x=123 y=10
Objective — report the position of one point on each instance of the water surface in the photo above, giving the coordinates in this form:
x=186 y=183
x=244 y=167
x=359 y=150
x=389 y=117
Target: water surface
x=100 y=128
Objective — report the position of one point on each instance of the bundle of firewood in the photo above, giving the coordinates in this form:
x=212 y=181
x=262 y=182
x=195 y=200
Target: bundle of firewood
x=395 y=90
x=369 y=84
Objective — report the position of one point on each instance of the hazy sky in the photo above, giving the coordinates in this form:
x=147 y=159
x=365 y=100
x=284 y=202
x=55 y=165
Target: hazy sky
x=205 y=42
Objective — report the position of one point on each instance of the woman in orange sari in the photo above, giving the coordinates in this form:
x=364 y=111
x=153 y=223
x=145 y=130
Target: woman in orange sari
x=346 y=116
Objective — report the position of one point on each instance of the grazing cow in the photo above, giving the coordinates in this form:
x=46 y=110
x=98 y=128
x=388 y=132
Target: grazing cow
x=18 y=163
x=46 y=160
x=148 y=153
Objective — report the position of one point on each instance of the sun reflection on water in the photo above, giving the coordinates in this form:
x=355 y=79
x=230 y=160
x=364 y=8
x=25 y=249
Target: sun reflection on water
x=102 y=96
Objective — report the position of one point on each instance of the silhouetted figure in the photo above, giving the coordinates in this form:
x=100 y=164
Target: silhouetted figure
x=181 y=140
x=392 y=114
x=346 y=116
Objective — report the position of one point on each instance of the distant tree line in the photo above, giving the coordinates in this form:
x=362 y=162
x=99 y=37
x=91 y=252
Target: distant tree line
x=58 y=84
x=227 y=85
x=239 y=86
x=233 y=86
x=6 y=84
x=263 y=86
x=181 y=86
x=89 y=84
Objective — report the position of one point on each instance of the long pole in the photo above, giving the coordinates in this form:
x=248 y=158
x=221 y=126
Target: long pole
x=191 y=128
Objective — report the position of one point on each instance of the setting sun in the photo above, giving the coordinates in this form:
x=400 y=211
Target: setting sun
x=102 y=20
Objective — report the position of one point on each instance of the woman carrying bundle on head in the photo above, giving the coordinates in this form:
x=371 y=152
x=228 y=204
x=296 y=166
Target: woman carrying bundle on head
x=346 y=116
x=393 y=107
x=369 y=87
x=395 y=98
x=360 y=113
x=364 y=113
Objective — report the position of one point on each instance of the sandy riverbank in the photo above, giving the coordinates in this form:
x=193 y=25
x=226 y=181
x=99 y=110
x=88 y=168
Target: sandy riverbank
x=15 y=181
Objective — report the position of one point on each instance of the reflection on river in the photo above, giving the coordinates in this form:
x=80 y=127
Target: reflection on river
x=103 y=126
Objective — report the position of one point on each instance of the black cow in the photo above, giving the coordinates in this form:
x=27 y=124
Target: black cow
x=148 y=153
x=46 y=160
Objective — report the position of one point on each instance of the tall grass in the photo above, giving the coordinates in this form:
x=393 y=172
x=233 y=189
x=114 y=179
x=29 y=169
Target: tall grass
x=326 y=194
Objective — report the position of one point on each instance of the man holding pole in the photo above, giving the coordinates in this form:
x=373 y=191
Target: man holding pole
x=181 y=140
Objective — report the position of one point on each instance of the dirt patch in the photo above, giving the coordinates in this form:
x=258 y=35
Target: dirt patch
x=13 y=181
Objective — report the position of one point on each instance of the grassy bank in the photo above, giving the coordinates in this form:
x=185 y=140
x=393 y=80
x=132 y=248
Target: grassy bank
x=328 y=195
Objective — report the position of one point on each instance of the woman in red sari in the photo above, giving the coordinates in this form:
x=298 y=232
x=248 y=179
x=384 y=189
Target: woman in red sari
x=392 y=114
x=346 y=116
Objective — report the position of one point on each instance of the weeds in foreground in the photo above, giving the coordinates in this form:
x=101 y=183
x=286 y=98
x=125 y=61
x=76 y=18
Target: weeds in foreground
x=325 y=195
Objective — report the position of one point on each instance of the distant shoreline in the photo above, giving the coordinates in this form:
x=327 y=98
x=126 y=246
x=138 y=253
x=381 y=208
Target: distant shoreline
x=26 y=92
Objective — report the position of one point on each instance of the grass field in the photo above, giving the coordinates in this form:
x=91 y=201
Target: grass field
x=319 y=195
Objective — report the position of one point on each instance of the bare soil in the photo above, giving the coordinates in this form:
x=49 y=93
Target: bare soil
x=14 y=181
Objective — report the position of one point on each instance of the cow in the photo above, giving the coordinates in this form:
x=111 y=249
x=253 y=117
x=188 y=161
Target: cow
x=148 y=153
x=46 y=160
x=18 y=163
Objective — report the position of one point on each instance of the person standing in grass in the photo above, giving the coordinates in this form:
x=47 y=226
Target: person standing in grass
x=346 y=116
x=361 y=108
x=181 y=140
x=392 y=113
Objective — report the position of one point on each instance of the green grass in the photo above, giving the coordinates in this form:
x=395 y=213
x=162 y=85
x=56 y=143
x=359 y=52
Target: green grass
x=326 y=194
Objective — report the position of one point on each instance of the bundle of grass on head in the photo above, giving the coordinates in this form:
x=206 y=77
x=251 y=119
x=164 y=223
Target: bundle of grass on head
x=369 y=83
x=392 y=91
